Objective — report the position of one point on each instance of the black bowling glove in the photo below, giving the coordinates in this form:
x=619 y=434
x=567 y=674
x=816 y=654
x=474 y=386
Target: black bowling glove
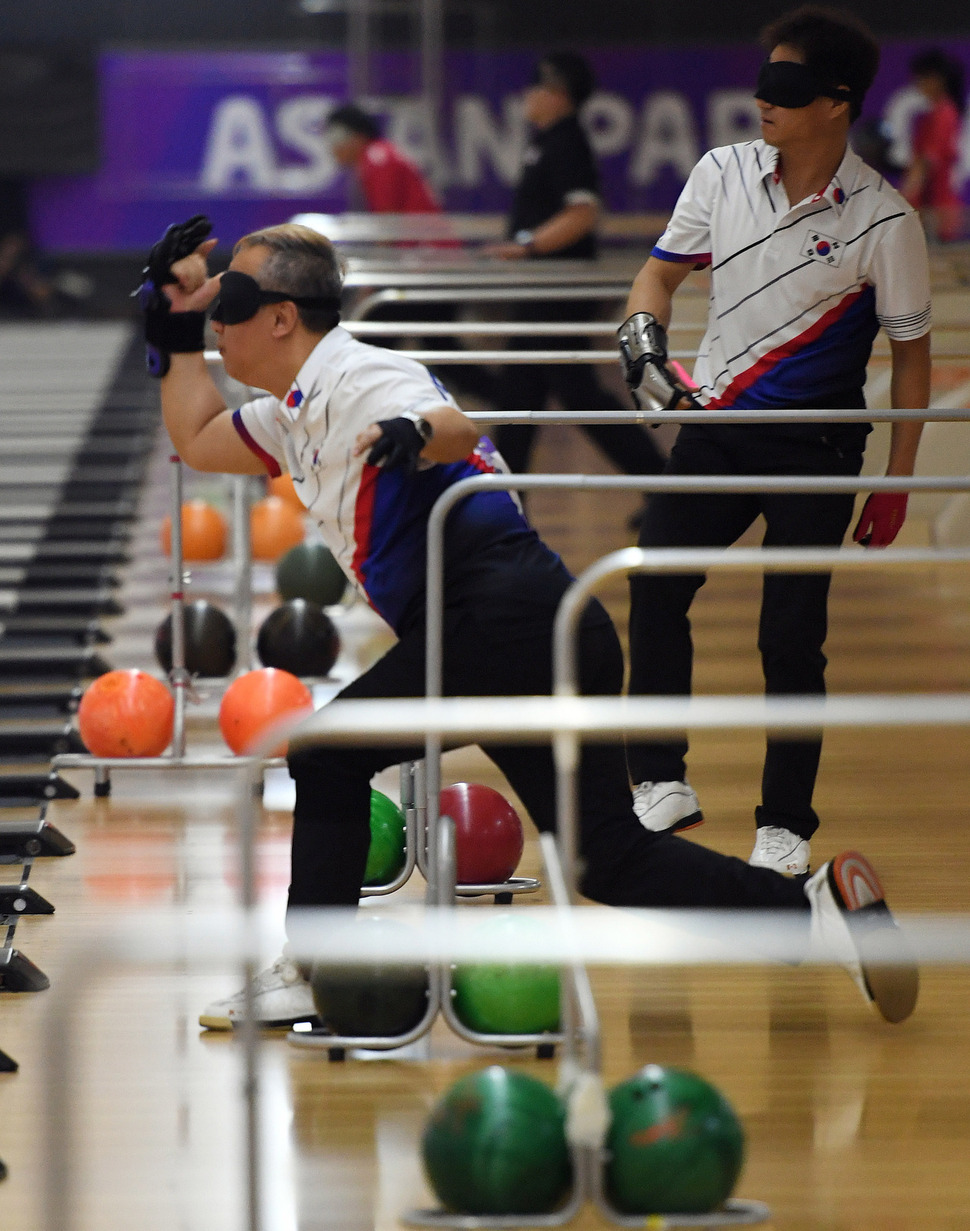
x=401 y=442
x=170 y=333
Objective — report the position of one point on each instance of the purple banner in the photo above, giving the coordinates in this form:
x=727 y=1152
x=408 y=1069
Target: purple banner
x=239 y=135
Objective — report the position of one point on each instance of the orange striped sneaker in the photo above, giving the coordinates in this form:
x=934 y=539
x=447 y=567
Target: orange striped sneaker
x=852 y=923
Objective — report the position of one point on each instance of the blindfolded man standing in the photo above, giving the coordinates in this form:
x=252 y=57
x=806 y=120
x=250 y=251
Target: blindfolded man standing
x=811 y=252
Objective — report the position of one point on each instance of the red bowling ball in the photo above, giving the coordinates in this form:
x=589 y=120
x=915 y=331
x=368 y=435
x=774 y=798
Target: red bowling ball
x=488 y=833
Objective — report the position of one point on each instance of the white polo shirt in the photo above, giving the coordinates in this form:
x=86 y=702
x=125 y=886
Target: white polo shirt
x=798 y=293
x=374 y=520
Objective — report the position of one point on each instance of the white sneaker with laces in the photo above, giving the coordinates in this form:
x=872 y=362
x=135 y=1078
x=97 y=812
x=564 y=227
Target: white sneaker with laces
x=781 y=850
x=282 y=998
x=666 y=805
x=852 y=923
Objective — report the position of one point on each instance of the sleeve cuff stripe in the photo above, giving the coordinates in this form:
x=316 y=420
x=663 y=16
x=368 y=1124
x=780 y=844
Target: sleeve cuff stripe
x=912 y=318
x=698 y=258
x=268 y=460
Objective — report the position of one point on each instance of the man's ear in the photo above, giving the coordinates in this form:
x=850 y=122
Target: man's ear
x=286 y=317
x=839 y=104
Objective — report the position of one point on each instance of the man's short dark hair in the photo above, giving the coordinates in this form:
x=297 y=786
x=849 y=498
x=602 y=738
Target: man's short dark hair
x=573 y=73
x=836 y=46
x=349 y=115
x=300 y=262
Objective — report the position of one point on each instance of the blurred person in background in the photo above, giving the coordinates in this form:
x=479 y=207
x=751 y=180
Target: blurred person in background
x=29 y=286
x=929 y=183
x=24 y=290
x=554 y=216
x=392 y=184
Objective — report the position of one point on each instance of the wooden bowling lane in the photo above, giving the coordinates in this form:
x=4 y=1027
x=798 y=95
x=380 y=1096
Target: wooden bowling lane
x=852 y=1125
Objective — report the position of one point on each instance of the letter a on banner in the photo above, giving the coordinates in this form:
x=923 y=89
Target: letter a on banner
x=668 y=138
x=239 y=150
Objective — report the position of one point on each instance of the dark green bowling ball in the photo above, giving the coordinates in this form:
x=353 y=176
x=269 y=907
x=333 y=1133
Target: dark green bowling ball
x=310 y=571
x=496 y=1144
x=387 y=852
x=371 y=999
x=675 y=1145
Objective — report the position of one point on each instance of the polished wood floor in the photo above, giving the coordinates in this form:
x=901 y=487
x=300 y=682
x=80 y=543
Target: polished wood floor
x=852 y=1125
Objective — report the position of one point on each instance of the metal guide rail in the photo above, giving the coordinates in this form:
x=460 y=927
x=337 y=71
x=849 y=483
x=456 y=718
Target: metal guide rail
x=454 y=228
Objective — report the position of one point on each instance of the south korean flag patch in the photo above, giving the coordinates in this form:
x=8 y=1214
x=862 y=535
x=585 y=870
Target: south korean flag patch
x=823 y=248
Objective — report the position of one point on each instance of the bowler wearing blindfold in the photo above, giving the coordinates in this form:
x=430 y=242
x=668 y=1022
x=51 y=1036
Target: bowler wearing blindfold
x=371 y=440
x=810 y=253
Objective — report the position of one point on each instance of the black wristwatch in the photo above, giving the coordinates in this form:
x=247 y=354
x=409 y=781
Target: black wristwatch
x=424 y=428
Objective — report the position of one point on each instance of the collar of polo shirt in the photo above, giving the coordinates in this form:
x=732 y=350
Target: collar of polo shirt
x=840 y=187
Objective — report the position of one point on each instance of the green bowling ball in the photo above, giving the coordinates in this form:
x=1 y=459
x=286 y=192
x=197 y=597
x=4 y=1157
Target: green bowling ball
x=496 y=1144
x=507 y=999
x=309 y=571
x=675 y=1145
x=500 y=999
x=387 y=852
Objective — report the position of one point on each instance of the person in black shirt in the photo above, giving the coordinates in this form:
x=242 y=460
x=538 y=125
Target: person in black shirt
x=554 y=214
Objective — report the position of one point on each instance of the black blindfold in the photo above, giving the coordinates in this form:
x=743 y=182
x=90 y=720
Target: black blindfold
x=786 y=83
x=241 y=297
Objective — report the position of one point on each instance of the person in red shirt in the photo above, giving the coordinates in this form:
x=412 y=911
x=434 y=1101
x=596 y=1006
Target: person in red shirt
x=391 y=183
x=928 y=185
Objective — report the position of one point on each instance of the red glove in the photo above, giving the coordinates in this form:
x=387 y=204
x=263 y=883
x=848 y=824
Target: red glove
x=882 y=518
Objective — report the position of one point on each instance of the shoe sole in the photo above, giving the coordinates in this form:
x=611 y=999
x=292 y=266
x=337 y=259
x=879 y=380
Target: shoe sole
x=774 y=867
x=685 y=823
x=231 y=1023
x=890 y=972
x=214 y=1023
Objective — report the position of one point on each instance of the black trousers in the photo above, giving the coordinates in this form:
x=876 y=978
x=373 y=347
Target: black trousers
x=623 y=864
x=528 y=387
x=793 y=623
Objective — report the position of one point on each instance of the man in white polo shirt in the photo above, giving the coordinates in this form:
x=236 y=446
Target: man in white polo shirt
x=811 y=252
x=371 y=440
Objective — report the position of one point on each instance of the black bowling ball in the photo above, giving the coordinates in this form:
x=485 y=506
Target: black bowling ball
x=370 y=1001
x=298 y=637
x=210 y=640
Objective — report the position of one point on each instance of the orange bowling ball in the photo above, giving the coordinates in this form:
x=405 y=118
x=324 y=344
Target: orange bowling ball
x=256 y=700
x=126 y=714
x=274 y=527
x=204 y=532
x=282 y=486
